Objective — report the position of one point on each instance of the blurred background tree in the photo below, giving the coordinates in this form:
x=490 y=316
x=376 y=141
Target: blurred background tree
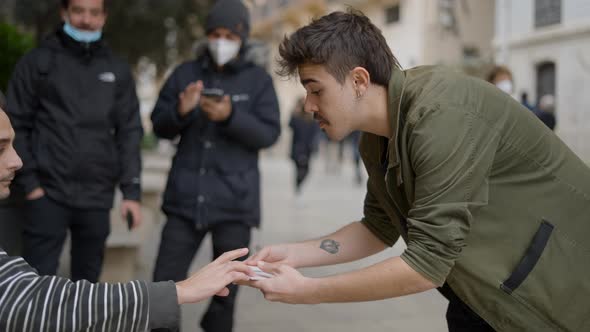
x=13 y=45
x=162 y=31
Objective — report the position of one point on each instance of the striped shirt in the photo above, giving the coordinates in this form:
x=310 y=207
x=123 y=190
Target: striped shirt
x=33 y=303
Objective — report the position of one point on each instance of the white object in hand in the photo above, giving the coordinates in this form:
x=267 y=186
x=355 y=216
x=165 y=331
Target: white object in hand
x=260 y=275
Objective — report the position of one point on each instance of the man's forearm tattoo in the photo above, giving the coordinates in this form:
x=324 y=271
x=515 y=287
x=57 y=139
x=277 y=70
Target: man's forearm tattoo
x=330 y=246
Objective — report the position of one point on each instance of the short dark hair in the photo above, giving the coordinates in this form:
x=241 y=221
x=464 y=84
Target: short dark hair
x=66 y=3
x=340 y=41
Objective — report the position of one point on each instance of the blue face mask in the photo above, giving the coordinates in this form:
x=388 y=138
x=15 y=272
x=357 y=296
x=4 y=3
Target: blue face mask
x=82 y=36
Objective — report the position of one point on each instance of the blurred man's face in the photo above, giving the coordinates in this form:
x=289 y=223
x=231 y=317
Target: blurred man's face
x=86 y=15
x=9 y=160
x=223 y=33
x=332 y=103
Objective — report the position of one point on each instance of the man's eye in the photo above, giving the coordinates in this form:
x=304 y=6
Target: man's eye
x=316 y=92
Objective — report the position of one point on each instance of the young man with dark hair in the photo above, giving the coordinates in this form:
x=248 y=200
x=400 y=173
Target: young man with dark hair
x=76 y=114
x=492 y=205
x=29 y=302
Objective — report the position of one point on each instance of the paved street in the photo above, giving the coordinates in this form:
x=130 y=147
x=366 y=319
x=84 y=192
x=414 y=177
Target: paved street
x=330 y=200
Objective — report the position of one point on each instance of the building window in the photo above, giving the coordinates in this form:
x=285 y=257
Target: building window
x=545 y=79
x=470 y=52
x=392 y=14
x=547 y=12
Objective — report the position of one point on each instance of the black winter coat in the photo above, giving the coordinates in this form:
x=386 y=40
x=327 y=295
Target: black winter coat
x=214 y=176
x=78 y=129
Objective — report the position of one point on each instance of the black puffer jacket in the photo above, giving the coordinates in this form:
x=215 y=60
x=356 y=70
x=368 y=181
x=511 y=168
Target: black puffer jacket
x=78 y=128
x=214 y=176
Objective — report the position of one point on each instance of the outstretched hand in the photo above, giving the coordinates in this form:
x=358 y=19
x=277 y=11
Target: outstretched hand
x=277 y=254
x=286 y=285
x=214 y=278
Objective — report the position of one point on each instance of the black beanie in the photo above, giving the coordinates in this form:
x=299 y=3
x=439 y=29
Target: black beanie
x=229 y=14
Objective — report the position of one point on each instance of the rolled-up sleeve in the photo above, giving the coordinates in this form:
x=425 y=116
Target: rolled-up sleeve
x=451 y=150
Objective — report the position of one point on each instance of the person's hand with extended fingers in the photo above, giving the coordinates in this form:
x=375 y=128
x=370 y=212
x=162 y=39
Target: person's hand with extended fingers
x=214 y=278
x=216 y=110
x=189 y=98
x=286 y=285
x=277 y=254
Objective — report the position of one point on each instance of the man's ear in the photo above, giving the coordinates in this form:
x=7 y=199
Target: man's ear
x=361 y=80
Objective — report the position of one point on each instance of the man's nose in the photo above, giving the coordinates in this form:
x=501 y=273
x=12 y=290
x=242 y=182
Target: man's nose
x=86 y=21
x=15 y=163
x=308 y=107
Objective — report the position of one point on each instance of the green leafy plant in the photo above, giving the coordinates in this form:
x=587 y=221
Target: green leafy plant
x=13 y=45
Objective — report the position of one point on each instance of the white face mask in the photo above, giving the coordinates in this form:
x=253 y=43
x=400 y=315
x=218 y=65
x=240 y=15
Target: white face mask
x=223 y=50
x=505 y=85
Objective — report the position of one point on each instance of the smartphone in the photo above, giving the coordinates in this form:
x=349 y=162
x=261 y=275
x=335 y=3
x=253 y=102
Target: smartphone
x=213 y=93
x=129 y=220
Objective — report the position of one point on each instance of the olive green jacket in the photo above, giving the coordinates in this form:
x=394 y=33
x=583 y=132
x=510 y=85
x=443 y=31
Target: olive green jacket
x=486 y=198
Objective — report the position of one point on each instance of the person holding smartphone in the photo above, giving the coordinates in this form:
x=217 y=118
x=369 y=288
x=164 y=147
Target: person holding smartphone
x=224 y=108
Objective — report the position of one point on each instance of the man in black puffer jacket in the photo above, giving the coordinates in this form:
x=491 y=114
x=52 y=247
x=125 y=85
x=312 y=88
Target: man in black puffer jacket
x=78 y=129
x=213 y=185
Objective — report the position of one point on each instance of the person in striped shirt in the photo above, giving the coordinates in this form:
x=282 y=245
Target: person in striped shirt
x=29 y=302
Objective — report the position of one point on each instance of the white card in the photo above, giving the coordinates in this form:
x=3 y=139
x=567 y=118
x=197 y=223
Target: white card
x=260 y=275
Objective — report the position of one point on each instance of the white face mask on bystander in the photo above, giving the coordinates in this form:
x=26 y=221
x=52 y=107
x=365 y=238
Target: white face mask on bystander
x=505 y=85
x=223 y=50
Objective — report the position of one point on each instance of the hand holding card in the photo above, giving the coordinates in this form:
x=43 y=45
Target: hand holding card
x=260 y=275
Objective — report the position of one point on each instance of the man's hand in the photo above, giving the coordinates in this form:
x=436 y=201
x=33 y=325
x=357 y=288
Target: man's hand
x=133 y=207
x=287 y=285
x=277 y=254
x=214 y=278
x=189 y=98
x=216 y=111
x=35 y=194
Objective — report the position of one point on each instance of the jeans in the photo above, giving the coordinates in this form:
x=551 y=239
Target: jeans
x=179 y=244
x=44 y=234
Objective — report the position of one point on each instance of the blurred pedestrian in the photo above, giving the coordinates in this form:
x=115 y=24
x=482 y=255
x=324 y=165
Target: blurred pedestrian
x=501 y=77
x=78 y=129
x=225 y=110
x=492 y=207
x=524 y=100
x=304 y=142
x=546 y=111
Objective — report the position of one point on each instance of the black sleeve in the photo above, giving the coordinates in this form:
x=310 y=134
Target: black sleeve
x=166 y=121
x=260 y=127
x=129 y=135
x=21 y=107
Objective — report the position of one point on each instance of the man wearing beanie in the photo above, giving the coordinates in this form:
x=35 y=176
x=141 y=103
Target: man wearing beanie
x=224 y=109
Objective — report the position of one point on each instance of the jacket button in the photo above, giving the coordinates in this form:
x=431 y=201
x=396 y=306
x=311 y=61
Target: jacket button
x=202 y=171
x=208 y=145
x=201 y=198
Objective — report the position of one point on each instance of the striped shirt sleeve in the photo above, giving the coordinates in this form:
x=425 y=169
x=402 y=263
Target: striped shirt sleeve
x=29 y=302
